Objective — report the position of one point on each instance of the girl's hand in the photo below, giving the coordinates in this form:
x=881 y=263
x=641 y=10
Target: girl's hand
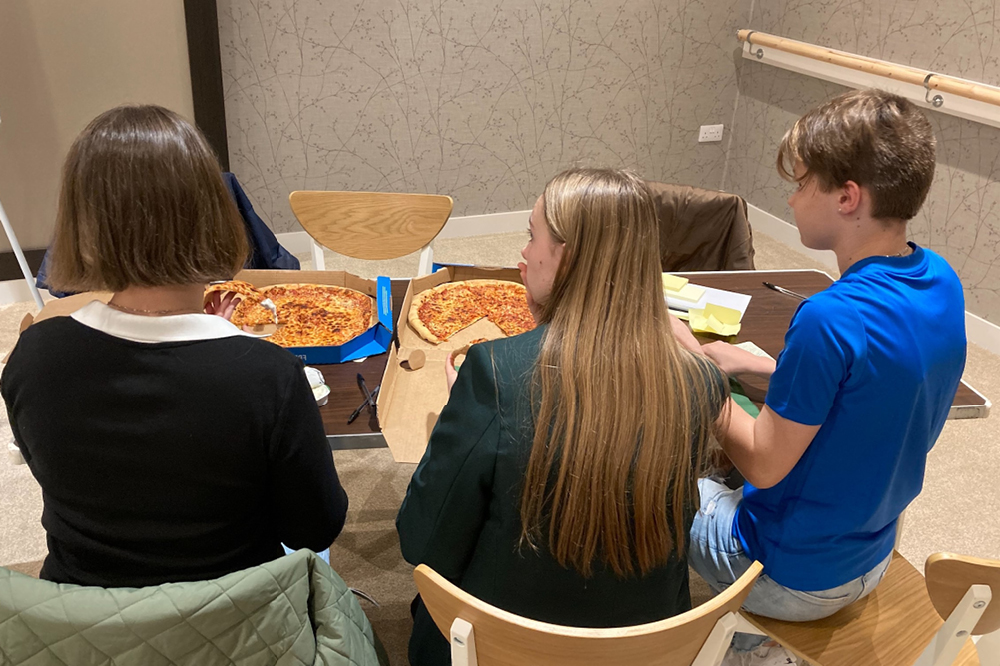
x=222 y=304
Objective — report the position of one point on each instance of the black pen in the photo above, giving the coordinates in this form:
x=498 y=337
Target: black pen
x=369 y=401
x=364 y=389
x=786 y=292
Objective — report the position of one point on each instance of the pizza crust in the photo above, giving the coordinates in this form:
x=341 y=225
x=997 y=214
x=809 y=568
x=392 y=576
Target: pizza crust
x=413 y=317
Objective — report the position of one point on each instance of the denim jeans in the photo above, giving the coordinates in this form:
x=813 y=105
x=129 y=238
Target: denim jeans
x=718 y=557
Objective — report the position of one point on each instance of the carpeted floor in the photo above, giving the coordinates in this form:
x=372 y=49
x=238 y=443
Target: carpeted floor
x=956 y=510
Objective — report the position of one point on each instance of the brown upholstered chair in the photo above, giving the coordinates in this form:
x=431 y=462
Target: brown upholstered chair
x=702 y=230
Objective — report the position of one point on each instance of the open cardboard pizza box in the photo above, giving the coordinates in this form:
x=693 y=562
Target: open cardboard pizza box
x=410 y=400
x=373 y=341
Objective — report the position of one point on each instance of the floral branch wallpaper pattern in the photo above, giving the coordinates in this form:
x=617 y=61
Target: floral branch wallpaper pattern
x=483 y=101
x=486 y=101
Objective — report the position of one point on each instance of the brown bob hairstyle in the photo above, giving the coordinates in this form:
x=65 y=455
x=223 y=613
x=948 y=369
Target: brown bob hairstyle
x=143 y=204
x=879 y=140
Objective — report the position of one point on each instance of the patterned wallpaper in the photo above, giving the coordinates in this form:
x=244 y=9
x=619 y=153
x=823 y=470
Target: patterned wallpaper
x=961 y=219
x=484 y=101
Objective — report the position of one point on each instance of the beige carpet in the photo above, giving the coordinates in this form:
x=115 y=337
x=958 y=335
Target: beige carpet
x=956 y=511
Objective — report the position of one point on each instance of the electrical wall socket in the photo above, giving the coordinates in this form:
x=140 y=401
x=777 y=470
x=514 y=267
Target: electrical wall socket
x=710 y=133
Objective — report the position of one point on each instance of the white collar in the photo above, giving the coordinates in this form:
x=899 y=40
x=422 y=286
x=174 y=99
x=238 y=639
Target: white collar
x=139 y=328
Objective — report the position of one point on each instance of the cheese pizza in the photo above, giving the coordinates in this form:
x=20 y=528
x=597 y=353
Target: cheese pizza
x=438 y=313
x=308 y=315
x=316 y=315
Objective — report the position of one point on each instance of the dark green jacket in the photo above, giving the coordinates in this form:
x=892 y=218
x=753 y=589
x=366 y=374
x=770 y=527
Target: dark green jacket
x=461 y=515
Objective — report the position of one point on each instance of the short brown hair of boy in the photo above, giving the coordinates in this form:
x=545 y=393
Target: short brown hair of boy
x=879 y=140
x=143 y=204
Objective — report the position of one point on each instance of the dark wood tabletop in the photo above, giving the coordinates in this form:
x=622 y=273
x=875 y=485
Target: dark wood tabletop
x=765 y=323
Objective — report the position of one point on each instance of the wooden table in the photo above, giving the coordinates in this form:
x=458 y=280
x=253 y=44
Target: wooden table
x=765 y=323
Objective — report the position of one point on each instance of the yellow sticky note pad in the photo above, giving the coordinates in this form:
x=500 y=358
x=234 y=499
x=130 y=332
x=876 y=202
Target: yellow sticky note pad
x=715 y=319
x=673 y=282
x=723 y=314
x=690 y=293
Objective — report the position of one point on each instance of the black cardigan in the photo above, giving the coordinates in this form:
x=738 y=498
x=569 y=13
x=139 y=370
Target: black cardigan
x=169 y=461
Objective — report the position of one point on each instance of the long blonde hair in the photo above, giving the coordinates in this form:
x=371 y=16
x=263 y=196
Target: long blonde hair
x=622 y=414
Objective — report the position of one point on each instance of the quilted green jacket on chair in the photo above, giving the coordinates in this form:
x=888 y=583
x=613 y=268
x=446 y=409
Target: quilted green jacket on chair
x=294 y=610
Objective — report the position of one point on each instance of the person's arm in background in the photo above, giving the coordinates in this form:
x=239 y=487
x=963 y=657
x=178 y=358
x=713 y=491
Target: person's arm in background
x=448 y=499
x=311 y=503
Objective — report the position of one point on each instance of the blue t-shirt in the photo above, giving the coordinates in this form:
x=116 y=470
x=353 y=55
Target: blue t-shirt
x=875 y=359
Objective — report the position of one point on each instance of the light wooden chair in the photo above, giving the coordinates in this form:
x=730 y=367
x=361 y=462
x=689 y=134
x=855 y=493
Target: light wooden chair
x=371 y=225
x=897 y=624
x=483 y=635
x=962 y=590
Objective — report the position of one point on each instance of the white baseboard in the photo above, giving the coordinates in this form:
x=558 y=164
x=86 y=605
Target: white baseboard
x=984 y=333
x=787 y=234
x=17 y=291
x=296 y=242
x=482 y=225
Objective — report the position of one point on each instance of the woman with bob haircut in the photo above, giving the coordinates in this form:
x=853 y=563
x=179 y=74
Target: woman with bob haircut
x=560 y=481
x=169 y=445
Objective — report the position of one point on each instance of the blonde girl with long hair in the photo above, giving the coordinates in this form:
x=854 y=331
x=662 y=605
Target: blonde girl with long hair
x=561 y=479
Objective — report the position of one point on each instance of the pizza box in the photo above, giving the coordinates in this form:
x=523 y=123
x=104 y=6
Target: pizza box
x=374 y=341
x=409 y=401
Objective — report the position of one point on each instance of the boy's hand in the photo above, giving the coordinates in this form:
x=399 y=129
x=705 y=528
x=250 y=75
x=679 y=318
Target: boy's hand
x=735 y=361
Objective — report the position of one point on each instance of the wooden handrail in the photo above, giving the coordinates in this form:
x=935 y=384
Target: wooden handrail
x=941 y=82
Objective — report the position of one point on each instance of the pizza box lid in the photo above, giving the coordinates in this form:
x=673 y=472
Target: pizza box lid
x=375 y=340
x=410 y=400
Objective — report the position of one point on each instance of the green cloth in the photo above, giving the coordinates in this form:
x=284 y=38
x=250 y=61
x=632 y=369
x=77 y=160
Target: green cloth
x=293 y=611
x=461 y=513
x=740 y=396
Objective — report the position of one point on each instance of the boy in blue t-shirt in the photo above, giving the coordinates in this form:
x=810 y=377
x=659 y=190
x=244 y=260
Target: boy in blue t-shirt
x=863 y=386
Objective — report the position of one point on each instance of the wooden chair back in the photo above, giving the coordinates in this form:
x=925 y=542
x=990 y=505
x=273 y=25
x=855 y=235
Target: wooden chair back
x=505 y=639
x=950 y=576
x=371 y=225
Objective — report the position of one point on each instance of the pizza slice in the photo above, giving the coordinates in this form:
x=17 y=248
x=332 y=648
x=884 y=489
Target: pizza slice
x=251 y=307
x=506 y=304
x=440 y=312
